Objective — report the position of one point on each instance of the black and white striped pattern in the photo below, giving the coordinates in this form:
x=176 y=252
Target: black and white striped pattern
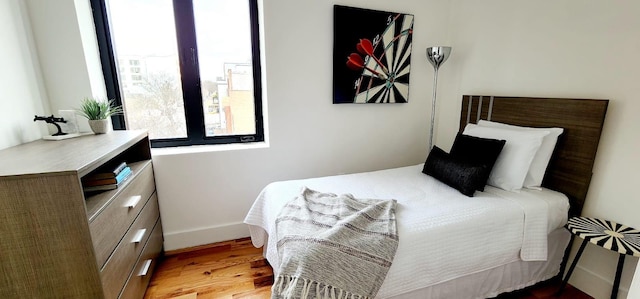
x=607 y=234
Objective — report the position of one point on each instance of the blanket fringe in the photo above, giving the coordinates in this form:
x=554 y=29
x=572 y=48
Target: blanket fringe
x=292 y=287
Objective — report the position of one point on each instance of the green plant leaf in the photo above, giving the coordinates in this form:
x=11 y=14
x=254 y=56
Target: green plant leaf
x=94 y=109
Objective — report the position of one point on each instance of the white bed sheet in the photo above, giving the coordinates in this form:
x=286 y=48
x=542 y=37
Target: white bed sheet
x=444 y=235
x=506 y=278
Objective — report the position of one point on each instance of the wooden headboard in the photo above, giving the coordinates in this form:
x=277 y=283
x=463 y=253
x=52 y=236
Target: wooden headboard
x=570 y=168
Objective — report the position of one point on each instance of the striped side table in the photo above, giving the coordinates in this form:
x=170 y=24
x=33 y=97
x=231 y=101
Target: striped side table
x=606 y=234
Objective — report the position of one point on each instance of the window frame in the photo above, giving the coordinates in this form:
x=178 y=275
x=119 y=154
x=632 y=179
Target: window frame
x=189 y=71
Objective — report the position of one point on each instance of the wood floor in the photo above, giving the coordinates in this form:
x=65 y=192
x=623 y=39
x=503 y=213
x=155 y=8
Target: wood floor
x=235 y=269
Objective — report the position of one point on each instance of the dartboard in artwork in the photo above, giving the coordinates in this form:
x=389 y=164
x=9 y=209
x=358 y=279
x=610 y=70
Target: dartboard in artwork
x=371 y=56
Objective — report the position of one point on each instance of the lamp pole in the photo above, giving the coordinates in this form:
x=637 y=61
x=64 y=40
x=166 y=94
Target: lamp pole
x=436 y=56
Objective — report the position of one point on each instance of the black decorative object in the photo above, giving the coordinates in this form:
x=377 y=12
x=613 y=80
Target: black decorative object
x=458 y=174
x=607 y=234
x=52 y=120
x=476 y=150
x=371 y=56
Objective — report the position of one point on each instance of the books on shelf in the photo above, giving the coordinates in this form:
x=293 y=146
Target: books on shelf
x=106 y=174
x=106 y=180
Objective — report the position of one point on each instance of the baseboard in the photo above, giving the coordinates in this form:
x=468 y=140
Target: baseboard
x=185 y=239
x=594 y=285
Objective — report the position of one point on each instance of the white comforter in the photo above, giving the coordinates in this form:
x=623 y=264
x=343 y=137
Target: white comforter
x=443 y=234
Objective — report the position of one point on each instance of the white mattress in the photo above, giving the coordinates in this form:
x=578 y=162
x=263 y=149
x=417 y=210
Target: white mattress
x=443 y=234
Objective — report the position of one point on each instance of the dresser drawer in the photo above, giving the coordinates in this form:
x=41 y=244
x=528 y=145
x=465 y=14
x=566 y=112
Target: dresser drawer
x=139 y=279
x=110 y=225
x=117 y=269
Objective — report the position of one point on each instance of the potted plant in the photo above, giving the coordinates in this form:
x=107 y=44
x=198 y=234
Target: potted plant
x=98 y=112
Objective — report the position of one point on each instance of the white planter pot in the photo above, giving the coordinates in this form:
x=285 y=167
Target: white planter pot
x=100 y=126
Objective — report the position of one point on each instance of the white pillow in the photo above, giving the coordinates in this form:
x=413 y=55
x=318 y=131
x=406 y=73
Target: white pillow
x=538 y=167
x=513 y=162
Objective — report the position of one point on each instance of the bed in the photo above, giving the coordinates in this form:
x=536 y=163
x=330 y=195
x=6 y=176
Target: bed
x=454 y=246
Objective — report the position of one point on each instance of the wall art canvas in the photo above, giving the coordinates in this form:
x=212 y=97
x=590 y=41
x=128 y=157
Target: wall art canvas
x=371 y=56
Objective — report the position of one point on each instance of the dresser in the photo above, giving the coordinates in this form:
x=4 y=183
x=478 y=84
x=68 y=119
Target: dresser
x=58 y=242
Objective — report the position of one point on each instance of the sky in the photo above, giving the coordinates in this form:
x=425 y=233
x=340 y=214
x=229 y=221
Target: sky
x=146 y=28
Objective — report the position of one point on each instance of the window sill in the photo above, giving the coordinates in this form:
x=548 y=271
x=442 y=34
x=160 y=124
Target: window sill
x=196 y=149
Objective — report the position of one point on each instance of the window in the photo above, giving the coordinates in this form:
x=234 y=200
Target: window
x=186 y=70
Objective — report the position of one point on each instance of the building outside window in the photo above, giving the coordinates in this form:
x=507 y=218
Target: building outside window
x=188 y=71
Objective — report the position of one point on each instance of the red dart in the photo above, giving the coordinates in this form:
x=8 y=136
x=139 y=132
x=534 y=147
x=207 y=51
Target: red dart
x=355 y=62
x=365 y=47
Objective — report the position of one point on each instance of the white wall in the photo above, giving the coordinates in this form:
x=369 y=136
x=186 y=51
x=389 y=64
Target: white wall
x=49 y=60
x=67 y=48
x=21 y=94
x=204 y=197
x=583 y=49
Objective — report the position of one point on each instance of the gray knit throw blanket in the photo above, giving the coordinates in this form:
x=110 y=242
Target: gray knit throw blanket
x=334 y=246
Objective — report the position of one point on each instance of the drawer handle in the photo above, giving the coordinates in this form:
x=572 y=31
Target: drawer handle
x=139 y=236
x=133 y=201
x=145 y=268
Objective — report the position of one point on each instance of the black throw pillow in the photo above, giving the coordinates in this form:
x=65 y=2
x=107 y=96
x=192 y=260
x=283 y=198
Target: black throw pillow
x=476 y=150
x=462 y=176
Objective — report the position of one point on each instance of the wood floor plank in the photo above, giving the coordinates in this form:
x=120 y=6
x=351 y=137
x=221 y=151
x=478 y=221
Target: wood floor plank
x=187 y=296
x=232 y=268
x=259 y=293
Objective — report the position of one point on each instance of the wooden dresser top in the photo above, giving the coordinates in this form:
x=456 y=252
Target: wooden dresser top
x=79 y=155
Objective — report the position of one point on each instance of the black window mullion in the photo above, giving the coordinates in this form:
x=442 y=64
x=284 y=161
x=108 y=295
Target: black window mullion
x=189 y=69
x=257 y=72
x=109 y=65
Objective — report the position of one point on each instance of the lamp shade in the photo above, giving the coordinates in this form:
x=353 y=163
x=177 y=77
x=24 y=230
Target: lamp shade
x=438 y=55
